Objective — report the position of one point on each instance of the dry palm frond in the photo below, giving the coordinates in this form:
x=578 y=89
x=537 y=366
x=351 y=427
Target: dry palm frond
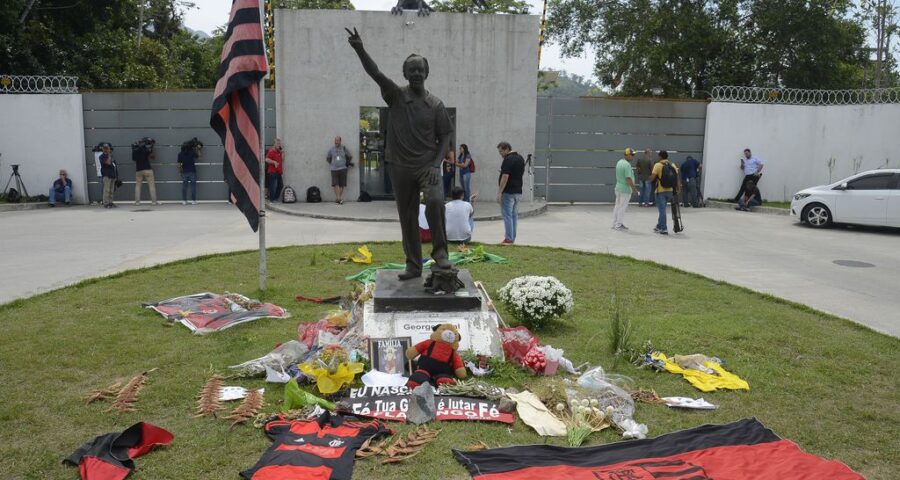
x=208 y=401
x=405 y=448
x=103 y=394
x=646 y=396
x=248 y=408
x=479 y=445
x=127 y=396
x=367 y=450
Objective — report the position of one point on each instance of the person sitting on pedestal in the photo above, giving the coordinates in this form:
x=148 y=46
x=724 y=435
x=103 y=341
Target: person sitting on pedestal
x=61 y=189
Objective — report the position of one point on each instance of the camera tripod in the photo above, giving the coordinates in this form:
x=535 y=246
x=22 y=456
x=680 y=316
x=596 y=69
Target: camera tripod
x=20 y=185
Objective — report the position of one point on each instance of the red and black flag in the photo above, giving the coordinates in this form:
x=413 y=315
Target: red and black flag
x=743 y=450
x=235 y=110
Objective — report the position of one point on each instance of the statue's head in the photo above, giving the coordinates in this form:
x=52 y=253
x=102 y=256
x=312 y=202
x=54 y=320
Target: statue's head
x=415 y=69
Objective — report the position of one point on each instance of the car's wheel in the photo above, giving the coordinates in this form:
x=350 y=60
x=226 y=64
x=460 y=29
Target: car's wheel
x=817 y=215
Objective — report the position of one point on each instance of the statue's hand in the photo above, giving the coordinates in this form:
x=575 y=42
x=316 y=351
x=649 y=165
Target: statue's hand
x=354 y=39
x=435 y=176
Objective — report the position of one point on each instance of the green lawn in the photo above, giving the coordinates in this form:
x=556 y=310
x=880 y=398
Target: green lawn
x=776 y=204
x=825 y=383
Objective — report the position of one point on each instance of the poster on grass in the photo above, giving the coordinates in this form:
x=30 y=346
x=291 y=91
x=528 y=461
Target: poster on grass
x=392 y=403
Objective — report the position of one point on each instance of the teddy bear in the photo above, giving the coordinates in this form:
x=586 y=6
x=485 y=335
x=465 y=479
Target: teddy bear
x=438 y=360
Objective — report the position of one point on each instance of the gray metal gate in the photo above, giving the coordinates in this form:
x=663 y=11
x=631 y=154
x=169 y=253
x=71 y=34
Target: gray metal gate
x=579 y=140
x=171 y=118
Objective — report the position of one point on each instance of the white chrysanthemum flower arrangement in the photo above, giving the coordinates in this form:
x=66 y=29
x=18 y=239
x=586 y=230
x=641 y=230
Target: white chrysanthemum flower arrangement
x=535 y=301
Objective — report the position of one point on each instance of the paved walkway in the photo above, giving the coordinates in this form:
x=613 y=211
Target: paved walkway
x=50 y=248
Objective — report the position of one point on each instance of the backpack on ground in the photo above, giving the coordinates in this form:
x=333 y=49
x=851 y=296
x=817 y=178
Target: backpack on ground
x=288 y=195
x=313 y=195
x=364 y=196
x=669 y=177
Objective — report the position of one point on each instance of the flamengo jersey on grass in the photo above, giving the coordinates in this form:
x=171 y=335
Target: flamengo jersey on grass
x=745 y=449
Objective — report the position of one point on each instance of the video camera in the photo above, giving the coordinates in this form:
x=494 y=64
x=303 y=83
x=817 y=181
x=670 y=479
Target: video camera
x=99 y=147
x=145 y=143
x=193 y=144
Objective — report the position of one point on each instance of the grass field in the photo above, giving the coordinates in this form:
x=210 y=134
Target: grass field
x=825 y=383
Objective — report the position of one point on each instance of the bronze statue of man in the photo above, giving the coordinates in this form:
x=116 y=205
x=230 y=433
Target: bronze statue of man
x=418 y=137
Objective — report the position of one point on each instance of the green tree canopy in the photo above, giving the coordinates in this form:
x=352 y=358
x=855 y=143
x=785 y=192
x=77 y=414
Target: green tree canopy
x=485 y=6
x=685 y=47
x=107 y=43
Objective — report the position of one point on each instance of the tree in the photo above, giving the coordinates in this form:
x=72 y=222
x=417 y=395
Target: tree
x=481 y=6
x=315 y=4
x=570 y=85
x=107 y=44
x=881 y=16
x=685 y=47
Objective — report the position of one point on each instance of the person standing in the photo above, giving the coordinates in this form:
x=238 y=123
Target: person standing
x=449 y=167
x=625 y=188
x=752 y=167
x=665 y=176
x=61 y=189
x=142 y=153
x=509 y=192
x=340 y=159
x=466 y=166
x=274 y=170
x=187 y=166
x=108 y=171
x=690 y=177
x=644 y=169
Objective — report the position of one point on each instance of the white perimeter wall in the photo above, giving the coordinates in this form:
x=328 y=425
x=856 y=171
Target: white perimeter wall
x=43 y=133
x=485 y=66
x=796 y=143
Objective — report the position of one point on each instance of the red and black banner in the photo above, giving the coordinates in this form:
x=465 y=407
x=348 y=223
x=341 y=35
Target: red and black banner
x=235 y=110
x=745 y=449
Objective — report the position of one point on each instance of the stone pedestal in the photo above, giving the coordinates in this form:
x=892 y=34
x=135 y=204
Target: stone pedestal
x=395 y=295
x=404 y=309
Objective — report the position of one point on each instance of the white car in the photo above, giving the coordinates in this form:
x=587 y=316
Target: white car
x=868 y=198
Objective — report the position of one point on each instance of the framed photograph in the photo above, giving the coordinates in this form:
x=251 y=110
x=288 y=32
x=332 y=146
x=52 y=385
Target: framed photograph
x=388 y=355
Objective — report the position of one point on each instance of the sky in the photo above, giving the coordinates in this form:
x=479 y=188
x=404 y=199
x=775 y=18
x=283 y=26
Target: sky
x=211 y=14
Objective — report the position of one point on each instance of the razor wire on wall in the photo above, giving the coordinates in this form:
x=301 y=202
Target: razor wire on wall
x=797 y=96
x=38 y=84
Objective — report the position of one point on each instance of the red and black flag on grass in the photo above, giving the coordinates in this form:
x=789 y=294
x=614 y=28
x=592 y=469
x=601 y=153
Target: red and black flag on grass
x=743 y=450
x=235 y=110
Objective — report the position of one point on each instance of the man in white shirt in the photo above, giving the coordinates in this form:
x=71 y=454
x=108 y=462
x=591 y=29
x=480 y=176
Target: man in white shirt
x=752 y=167
x=460 y=217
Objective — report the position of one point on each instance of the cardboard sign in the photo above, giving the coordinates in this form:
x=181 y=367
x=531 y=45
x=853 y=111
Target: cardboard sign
x=392 y=403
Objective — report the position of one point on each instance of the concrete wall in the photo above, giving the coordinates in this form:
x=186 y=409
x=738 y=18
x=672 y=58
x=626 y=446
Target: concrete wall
x=796 y=143
x=169 y=117
x=485 y=66
x=43 y=133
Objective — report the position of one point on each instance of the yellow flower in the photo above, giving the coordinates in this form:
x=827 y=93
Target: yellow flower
x=328 y=382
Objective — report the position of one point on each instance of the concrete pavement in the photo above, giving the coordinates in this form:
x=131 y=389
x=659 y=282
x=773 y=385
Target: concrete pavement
x=46 y=249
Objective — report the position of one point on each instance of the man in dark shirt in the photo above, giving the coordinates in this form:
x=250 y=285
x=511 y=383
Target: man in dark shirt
x=509 y=192
x=61 y=190
x=418 y=137
x=752 y=197
x=690 y=176
x=187 y=165
x=142 y=154
x=110 y=175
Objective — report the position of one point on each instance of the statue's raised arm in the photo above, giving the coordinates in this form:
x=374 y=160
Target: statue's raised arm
x=368 y=64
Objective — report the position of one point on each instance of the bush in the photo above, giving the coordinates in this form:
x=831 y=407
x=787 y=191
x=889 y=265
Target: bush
x=534 y=301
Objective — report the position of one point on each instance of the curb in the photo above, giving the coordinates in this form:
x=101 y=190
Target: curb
x=321 y=216
x=15 y=207
x=766 y=210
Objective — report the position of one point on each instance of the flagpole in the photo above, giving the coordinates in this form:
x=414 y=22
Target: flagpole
x=262 y=159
